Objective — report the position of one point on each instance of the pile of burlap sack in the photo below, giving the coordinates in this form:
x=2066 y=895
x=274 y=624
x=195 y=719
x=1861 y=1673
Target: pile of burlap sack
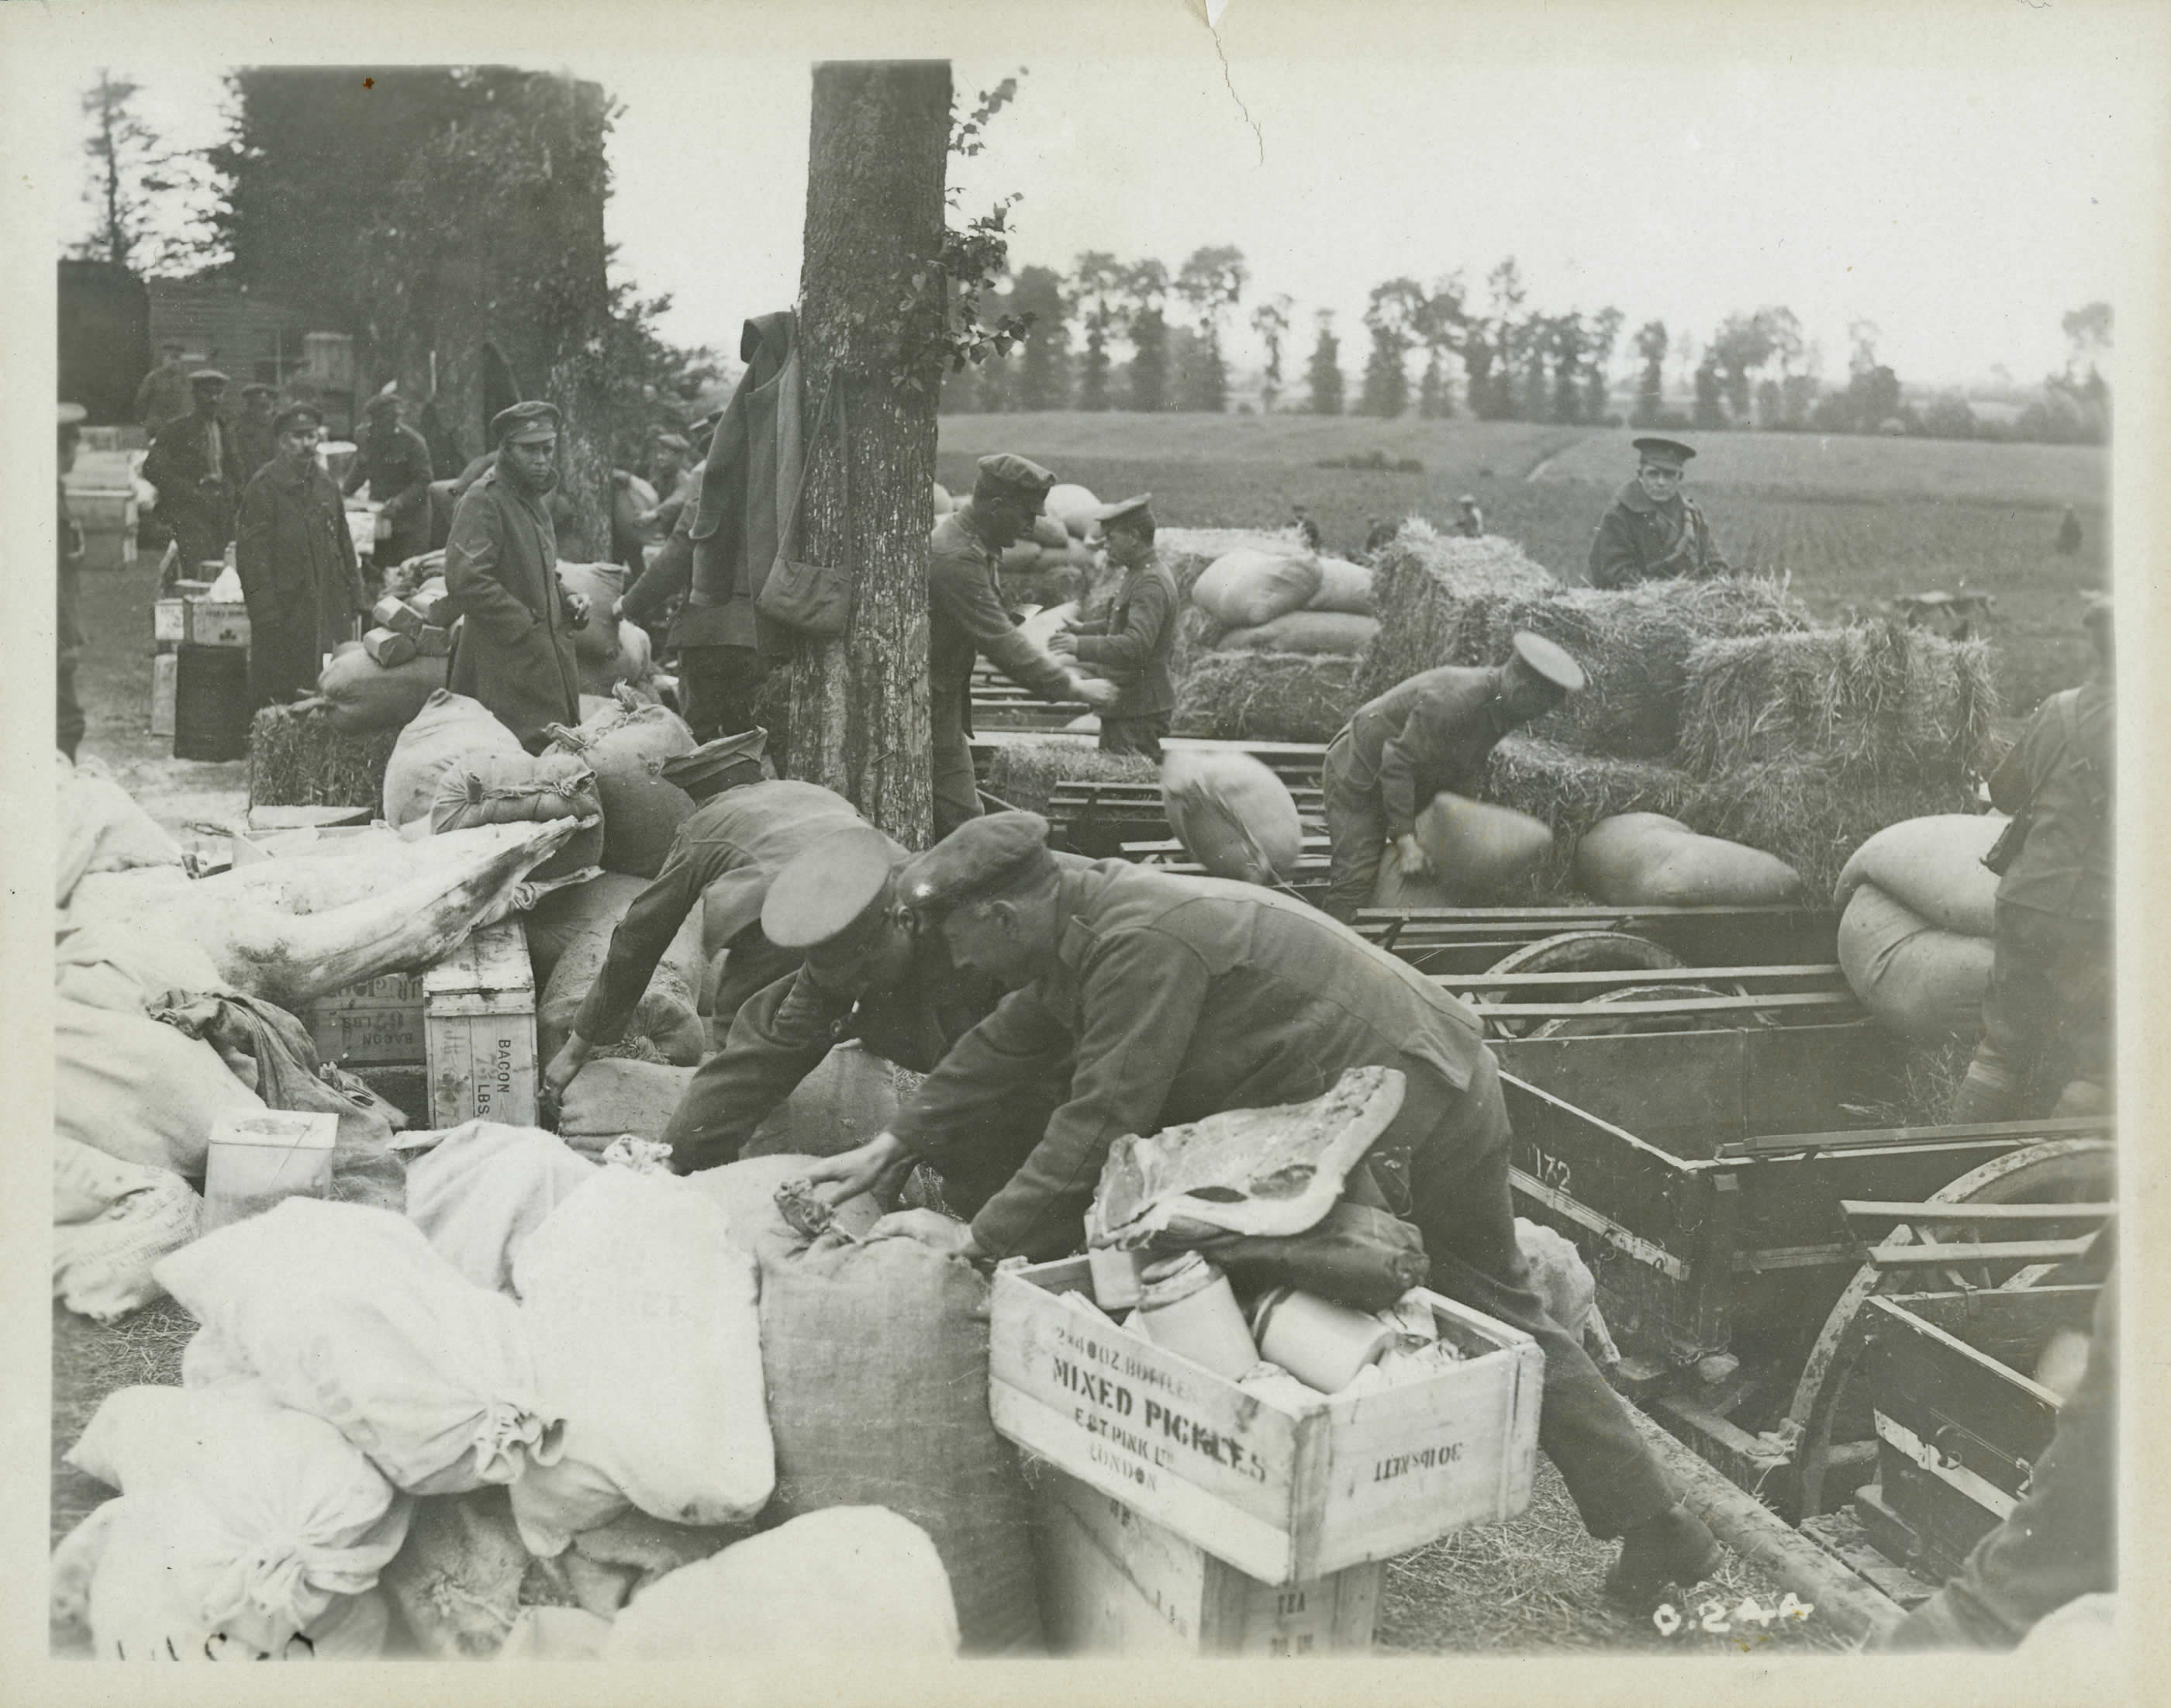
x=558 y=1408
x=176 y=1002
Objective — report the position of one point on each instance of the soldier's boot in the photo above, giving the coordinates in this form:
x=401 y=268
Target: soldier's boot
x=1675 y=1549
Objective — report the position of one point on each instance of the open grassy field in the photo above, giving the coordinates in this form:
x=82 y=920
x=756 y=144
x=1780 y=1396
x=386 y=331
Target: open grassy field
x=1850 y=521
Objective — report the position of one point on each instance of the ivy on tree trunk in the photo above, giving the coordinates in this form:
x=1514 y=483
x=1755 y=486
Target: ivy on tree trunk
x=857 y=716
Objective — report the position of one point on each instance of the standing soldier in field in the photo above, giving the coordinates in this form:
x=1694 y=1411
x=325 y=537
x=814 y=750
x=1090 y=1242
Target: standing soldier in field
x=1433 y=732
x=965 y=618
x=299 y=574
x=1469 y=519
x=67 y=624
x=163 y=395
x=515 y=652
x=1130 y=646
x=1177 y=998
x=197 y=467
x=394 y=459
x=253 y=437
x=2050 y=984
x=1654 y=532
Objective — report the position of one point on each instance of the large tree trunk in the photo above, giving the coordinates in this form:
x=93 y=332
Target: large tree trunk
x=858 y=717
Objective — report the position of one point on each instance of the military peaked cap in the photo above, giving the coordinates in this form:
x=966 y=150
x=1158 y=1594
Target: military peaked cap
x=523 y=421
x=982 y=854
x=827 y=889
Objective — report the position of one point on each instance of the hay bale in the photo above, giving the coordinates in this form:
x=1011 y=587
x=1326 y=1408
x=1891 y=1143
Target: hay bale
x=300 y=759
x=1025 y=773
x=1570 y=791
x=1266 y=696
x=1813 y=813
x=1455 y=600
x=1420 y=584
x=1874 y=697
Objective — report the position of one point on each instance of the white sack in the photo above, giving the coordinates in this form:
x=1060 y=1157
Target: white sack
x=345 y=1312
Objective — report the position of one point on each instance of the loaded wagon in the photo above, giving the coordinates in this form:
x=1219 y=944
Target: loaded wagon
x=1701 y=1103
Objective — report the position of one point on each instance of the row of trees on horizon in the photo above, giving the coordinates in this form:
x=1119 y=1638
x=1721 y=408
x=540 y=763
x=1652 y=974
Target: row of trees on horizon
x=1112 y=334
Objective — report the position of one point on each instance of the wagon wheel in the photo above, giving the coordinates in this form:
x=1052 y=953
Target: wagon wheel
x=1577 y=951
x=2055 y=1171
x=1598 y=1023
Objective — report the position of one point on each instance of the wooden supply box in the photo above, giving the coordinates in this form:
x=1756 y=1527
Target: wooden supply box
x=169 y=622
x=479 y=1030
x=1959 y=1422
x=1283 y=1495
x=217 y=623
x=1113 y=1581
x=379 y=1021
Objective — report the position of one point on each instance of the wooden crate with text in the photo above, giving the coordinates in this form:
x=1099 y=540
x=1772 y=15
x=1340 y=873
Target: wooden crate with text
x=1284 y=1496
x=479 y=1027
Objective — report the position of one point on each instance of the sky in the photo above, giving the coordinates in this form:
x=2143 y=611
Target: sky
x=1961 y=209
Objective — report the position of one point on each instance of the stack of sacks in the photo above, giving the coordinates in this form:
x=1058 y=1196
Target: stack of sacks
x=1071 y=507
x=569 y=936
x=1569 y=792
x=607 y=652
x=895 y=1331
x=1187 y=552
x=245 y=1530
x=626 y=746
x=1807 y=743
x=101 y=828
x=1918 y=917
x=1268 y=648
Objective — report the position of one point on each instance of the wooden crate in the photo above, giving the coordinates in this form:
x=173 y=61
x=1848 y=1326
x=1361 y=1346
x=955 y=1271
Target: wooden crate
x=1959 y=1422
x=479 y=1030
x=1282 y=1494
x=1113 y=1581
x=379 y=1021
x=165 y=679
x=217 y=623
x=170 y=621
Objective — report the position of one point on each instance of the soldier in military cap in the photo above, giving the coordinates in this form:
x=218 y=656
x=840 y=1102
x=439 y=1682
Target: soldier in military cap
x=1131 y=644
x=295 y=557
x=872 y=971
x=723 y=859
x=965 y=618
x=253 y=435
x=1654 y=531
x=197 y=467
x=393 y=461
x=515 y=650
x=1185 y=997
x=1433 y=732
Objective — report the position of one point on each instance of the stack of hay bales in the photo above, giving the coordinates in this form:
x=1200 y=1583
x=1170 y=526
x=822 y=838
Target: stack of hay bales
x=1807 y=744
x=1716 y=702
